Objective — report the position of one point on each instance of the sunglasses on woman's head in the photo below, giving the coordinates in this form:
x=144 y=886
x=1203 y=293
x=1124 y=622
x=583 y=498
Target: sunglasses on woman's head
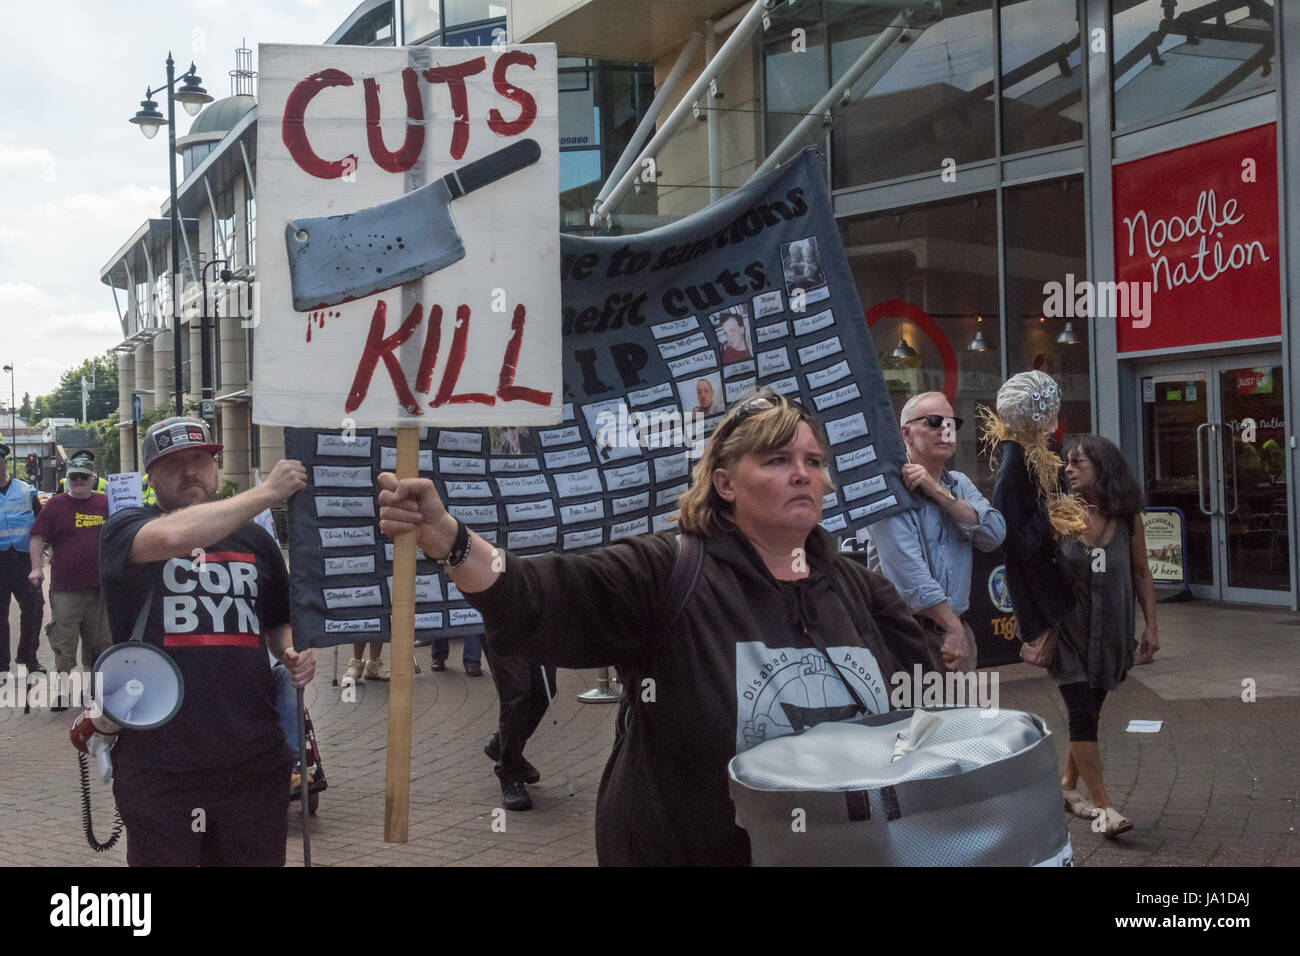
x=754 y=405
x=936 y=421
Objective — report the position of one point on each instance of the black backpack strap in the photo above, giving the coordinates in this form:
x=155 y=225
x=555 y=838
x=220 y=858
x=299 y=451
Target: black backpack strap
x=681 y=585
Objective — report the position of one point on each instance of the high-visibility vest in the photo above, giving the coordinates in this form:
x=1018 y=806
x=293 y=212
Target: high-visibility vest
x=16 y=516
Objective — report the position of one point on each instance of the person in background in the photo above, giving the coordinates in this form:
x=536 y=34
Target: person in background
x=524 y=690
x=373 y=667
x=70 y=524
x=19 y=508
x=1095 y=647
x=471 y=654
x=927 y=553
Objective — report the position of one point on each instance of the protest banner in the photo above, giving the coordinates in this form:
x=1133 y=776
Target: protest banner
x=412 y=283
x=662 y=331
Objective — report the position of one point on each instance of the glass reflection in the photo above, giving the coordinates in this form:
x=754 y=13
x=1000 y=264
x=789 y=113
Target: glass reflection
x=928 y=277
x=1175 y=55
x=1042 y=87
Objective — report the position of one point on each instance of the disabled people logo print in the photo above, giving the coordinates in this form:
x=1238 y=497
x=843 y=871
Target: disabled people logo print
x=786 y=690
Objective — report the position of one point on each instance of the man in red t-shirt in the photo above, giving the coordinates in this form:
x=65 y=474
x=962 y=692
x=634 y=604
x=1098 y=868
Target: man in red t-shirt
x=70 y=523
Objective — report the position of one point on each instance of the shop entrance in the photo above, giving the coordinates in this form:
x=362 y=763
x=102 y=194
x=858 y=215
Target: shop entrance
x=1213 y=446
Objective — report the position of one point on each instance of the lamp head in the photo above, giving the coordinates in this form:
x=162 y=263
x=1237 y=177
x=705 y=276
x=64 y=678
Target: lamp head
x=148 y=118
x=192 y=95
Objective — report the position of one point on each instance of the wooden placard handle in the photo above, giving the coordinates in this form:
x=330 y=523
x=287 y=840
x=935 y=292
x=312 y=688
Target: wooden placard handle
x=401 y=660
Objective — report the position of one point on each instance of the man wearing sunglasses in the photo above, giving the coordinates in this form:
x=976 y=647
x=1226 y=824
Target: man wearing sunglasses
x=926 y=553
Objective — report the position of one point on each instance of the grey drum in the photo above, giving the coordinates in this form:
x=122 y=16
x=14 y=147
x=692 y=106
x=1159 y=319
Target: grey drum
x=960 y=787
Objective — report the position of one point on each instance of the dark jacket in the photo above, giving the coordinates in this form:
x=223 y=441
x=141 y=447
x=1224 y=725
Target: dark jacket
x=1040 y=591
x=739 y=668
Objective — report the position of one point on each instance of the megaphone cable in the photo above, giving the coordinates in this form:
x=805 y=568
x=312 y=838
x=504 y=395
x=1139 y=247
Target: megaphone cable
x=85 y=812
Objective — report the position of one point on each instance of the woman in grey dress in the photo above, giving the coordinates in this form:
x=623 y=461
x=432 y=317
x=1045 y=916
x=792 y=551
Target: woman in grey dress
x=1107 y=566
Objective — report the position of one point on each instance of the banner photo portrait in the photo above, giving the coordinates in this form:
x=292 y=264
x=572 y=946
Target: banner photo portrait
x=662 y=331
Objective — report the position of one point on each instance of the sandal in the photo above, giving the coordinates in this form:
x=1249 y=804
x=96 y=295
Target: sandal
x=1112 y=823
x=1078 y=804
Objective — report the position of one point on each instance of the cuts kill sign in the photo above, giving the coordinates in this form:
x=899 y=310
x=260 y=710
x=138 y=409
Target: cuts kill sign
x=408 y=242
x=1199 y=225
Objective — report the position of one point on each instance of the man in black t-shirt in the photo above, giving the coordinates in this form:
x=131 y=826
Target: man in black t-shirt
x=210 y=786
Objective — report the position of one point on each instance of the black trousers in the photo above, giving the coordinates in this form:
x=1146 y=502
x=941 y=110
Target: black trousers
x=523 y=702
x=15 y=565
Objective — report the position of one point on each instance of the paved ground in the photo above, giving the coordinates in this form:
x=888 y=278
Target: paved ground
x=1217 y=786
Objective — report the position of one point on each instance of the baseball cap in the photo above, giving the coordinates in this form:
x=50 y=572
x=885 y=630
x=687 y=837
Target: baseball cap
x=80 y=464
x=176 y=434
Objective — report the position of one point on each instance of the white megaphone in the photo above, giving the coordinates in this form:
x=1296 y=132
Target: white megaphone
x=141 y=687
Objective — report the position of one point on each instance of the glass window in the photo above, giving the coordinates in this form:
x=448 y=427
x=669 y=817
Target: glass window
x=926 y=99
x=1042 y=83
x=421 y=19
x=1195 y=56
x=250 y=228
x=471 y=11
x=928 y=278
x=794 y=79
x=1046 y=261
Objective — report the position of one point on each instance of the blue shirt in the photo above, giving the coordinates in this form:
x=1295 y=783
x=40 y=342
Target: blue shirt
x=946 y=575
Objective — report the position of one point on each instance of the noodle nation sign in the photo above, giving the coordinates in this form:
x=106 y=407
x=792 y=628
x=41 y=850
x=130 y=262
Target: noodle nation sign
x=1198 y=227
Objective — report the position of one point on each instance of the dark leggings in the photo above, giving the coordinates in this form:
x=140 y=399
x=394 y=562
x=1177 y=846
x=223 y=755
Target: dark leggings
x=1083 y=704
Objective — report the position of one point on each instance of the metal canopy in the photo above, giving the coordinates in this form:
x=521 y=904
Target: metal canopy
x=150 y=243
x=637 y=30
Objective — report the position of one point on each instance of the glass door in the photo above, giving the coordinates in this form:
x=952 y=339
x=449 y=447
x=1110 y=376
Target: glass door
x=1213 y=445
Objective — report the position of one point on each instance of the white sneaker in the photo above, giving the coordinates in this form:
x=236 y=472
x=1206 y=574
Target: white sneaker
x=377 y=669
x=353 y=673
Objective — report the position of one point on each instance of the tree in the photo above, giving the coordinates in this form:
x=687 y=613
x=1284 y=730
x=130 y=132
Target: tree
x=65 y=401
x=25 y=409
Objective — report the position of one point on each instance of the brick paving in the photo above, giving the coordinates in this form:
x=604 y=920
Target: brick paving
x=1217 y=786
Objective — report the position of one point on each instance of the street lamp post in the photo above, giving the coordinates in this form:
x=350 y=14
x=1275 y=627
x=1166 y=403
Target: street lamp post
x=13 y=412
x=192 y=97
x=205 y=349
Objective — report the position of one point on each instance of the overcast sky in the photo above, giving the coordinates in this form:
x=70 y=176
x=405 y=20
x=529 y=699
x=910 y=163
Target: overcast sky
x=76 y=178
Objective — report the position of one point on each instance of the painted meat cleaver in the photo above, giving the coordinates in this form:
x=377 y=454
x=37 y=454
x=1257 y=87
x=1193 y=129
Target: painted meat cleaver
x=335 y=259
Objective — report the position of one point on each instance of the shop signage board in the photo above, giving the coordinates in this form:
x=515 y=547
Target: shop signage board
x=1166 y=541
x=1196 y=242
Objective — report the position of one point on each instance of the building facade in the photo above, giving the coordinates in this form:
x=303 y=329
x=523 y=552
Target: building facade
x=1094 y=188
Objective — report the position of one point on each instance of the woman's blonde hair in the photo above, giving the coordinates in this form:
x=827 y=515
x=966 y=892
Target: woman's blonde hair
x=762 y=423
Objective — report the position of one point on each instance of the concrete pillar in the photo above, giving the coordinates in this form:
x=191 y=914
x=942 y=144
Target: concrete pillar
x=125 y=383
x=162 y=370
x=272 y=446
x=234 y=436
x=143 y=365
x=234 y=354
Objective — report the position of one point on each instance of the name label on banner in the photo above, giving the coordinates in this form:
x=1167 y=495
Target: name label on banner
x=338 y=476
x=358 y=564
